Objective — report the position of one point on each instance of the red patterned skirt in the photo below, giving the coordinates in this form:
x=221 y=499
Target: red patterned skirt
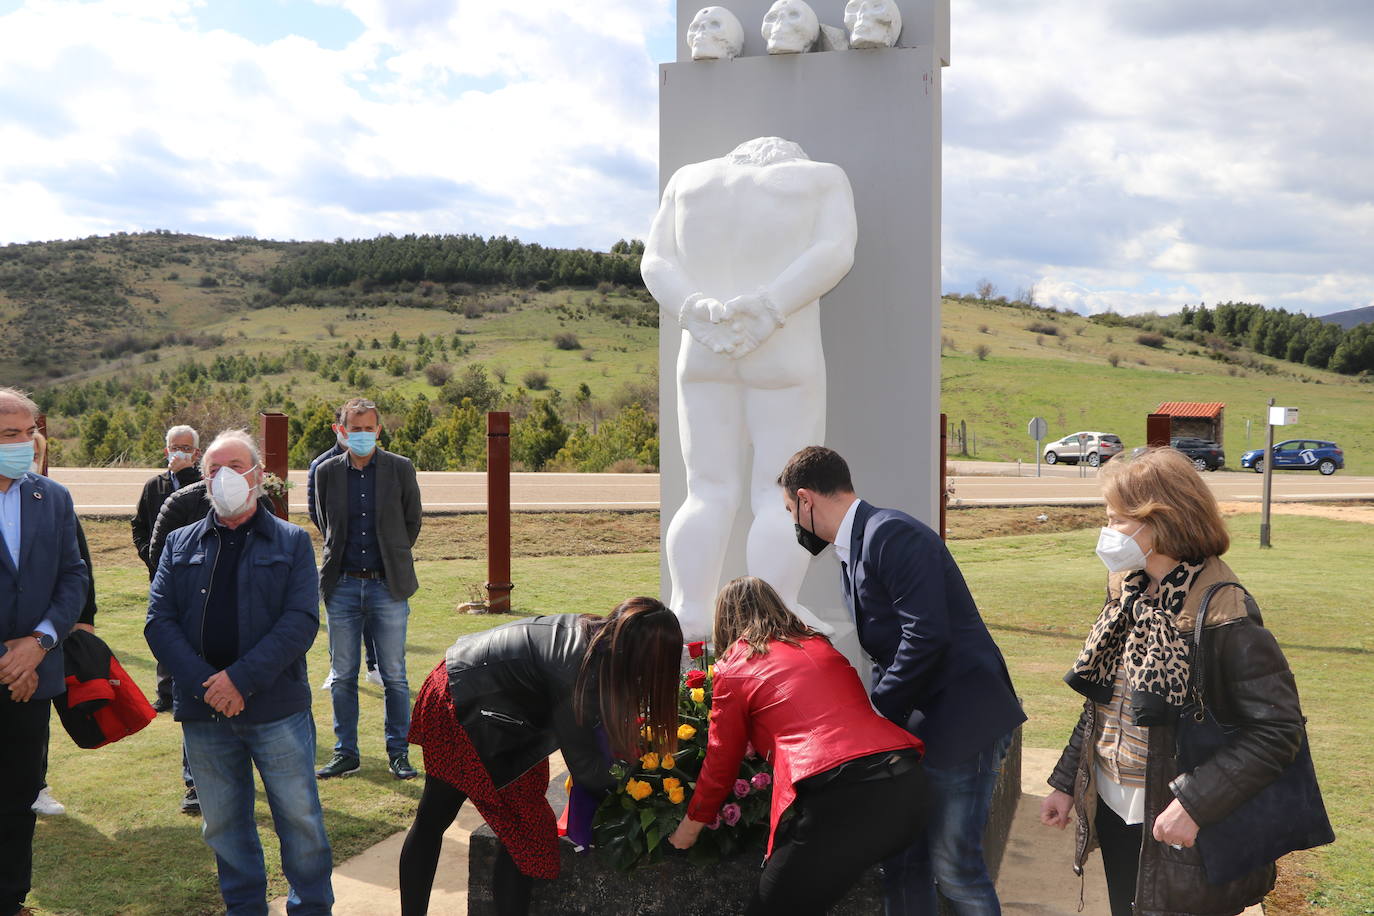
x=519 y=814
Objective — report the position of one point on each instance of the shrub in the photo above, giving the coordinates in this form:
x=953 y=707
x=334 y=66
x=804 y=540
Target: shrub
x=982 y=329
x=947 y=343
x=1043 y=327
x=567 y=340
x=535 y=380
x=438 y=374
x=1114 y=359
x=1150 y=339
x=982 y=351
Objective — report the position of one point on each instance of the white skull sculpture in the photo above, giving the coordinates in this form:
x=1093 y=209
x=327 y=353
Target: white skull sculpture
x=715 y=34
x=790 y=27
x=872 y=23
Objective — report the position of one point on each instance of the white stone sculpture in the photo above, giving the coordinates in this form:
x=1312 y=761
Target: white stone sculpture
x=715 y=34
x=790 y=27
x=739 y=254
x=872 y=23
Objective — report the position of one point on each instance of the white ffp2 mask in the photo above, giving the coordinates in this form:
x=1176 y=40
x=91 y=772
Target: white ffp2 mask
x=230 y=493
x=1120 y=552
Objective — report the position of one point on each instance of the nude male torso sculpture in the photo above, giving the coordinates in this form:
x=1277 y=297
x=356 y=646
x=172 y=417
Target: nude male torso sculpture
x=739 y=254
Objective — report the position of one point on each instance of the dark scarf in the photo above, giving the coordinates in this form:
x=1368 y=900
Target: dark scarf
x=1139 y=634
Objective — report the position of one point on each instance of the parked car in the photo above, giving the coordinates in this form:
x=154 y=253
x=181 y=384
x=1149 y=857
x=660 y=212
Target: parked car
x=1094 y=448
x=1205 y=454
x=1299 y=455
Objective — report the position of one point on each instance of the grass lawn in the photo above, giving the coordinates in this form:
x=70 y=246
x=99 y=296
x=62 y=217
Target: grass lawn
x=1039 y=593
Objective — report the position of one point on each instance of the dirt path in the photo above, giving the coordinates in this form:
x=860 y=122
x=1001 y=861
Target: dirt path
x=1360 y=513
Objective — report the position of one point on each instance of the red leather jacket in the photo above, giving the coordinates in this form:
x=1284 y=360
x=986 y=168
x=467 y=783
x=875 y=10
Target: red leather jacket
x=803 y=708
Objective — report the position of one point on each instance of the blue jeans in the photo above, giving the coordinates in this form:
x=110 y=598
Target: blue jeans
x=353 y=603
x=222 y=754
x=951 y=852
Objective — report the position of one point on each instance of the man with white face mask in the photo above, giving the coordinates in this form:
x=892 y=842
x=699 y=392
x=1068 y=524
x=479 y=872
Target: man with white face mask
x=182 y=451
x=232 y=610
x=367 y=504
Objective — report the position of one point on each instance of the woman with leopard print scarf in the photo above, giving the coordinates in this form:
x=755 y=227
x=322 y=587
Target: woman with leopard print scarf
x=1162 y=545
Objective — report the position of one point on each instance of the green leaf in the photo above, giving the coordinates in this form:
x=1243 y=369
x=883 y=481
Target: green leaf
x=646 y=817
x=653 y=836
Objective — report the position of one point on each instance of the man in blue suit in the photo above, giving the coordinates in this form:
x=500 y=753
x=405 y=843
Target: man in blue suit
x=936 y=672
x=42 y=589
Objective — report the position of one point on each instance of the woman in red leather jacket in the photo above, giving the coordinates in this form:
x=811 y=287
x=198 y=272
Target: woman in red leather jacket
x=851 y=779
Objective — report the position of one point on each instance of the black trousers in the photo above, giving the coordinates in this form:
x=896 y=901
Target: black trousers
x=837 y=831
x=23 y=746
x=439 y=805
x=1120 y=845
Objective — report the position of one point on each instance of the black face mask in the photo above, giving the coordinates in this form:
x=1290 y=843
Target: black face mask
x=812 y=542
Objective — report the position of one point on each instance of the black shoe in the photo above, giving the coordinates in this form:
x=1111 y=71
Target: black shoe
x=162 y=704
x=190 y=803
x=339 y=765
x=401 y=768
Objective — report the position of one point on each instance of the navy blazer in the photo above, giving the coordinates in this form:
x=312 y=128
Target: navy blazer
x=937 y=671
x=51 y=581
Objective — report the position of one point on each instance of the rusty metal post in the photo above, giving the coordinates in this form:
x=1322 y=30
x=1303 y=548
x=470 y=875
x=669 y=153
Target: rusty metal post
x=41 y=421
x=1159 y=427
x=944 y=453
x=273 y=440
x=499 y=584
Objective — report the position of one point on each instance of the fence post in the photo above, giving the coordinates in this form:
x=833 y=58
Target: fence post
x=274 y=430
x=498 y=512
x=944 y=452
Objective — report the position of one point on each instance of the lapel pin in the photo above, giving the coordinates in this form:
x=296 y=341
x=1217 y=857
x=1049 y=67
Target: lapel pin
x=37 y=494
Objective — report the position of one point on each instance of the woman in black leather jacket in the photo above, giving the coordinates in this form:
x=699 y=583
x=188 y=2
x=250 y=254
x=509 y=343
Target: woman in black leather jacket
x=1118 y=773
x=503 y=700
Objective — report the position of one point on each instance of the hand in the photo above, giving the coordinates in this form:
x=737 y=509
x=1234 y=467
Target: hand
x=222 y=696
x=21 y=659
x=704 y=320
x=1175 y=826
x=685 y=836
x=179 y=462
x=1055 y=809
x=23 y=689
x=88 y=627
x=752 y=319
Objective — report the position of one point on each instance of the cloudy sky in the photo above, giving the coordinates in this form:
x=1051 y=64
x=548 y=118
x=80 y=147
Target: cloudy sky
x=1118 y=154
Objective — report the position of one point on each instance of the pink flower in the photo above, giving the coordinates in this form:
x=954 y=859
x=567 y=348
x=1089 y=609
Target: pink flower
x=761 y=781
x=749 y=749
x=741 y=788
x=731 y=814
x=715 y=824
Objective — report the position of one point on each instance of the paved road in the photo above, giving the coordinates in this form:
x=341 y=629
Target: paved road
x=115 y=491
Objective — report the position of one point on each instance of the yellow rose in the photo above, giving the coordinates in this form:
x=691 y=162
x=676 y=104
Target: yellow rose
x=649 y=761
x=638 y=789
x=667 y=761
x=676 y=795
x=670 y=784
x=567 y=784
x=698 y=695
x=710 y=670
x=685 y=732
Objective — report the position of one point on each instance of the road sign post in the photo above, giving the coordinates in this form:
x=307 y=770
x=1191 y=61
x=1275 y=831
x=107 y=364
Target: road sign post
x=1037 y=429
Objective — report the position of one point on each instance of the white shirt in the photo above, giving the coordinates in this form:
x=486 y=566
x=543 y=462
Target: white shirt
x=845 y=532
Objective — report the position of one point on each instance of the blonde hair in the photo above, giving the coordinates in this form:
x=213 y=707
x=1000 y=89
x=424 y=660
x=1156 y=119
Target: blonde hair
x=1161 y=486
x=748 y=608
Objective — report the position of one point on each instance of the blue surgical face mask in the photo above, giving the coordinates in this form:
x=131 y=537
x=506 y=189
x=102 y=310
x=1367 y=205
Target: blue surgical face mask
x=362 y=444
x=15 y=459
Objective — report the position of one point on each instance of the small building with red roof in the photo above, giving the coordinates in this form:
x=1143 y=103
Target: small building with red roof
x=1193 y=418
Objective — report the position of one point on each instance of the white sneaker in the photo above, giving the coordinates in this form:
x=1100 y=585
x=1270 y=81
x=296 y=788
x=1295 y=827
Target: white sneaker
x=329 y=681
x=374 y=676
x=47 y=805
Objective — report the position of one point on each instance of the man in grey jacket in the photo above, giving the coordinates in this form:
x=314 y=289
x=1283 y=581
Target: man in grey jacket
x=367 y=503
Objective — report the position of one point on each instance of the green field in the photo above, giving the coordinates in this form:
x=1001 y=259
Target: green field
x=1039 y=594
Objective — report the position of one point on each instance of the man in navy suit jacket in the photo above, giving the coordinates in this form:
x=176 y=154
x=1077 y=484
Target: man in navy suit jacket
x=936 y=672
x=42 y=589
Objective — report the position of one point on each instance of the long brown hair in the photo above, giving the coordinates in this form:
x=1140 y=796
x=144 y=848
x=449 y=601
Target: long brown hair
x=634 y=654
x=747 y=608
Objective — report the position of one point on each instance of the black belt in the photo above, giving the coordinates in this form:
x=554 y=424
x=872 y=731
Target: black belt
x=365 y=573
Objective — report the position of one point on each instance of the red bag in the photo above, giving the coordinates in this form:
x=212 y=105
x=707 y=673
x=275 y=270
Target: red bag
x=102 y=703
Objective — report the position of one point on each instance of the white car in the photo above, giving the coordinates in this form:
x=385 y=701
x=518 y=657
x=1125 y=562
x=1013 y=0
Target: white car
x=1092 y=447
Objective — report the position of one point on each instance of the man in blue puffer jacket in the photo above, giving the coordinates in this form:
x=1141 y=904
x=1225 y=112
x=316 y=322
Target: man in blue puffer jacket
x=232 y=611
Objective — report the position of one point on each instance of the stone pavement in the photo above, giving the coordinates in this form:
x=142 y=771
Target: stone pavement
x=1036 y=877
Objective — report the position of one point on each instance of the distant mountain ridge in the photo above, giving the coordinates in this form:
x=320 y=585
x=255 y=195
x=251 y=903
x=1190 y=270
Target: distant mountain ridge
x=1351 y=317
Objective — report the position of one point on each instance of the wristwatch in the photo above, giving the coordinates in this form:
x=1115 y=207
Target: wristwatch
x=45 y=642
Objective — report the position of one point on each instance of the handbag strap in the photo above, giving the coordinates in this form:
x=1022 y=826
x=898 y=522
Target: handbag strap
x=1195 y=670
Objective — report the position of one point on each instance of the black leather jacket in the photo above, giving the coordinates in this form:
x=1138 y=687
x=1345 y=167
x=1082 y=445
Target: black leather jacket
x=184 y=507
x=1251 y=687
x=513 y=691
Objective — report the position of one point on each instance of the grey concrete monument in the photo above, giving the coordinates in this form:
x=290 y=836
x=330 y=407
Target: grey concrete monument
x=875 y=115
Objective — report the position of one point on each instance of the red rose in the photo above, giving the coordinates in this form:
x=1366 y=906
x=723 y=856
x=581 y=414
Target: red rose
x=696 y=649
x=696 y=678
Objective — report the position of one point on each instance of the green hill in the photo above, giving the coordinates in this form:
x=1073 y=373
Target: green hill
x=123 y=335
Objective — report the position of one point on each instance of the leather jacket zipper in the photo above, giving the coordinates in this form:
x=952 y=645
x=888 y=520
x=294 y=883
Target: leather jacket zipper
x=501 y=717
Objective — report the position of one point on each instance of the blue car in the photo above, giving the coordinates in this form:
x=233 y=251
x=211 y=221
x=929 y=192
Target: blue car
x=1298 y=455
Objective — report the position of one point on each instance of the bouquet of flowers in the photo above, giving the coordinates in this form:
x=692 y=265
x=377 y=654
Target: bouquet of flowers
x=632 y=825
x=274 y=487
